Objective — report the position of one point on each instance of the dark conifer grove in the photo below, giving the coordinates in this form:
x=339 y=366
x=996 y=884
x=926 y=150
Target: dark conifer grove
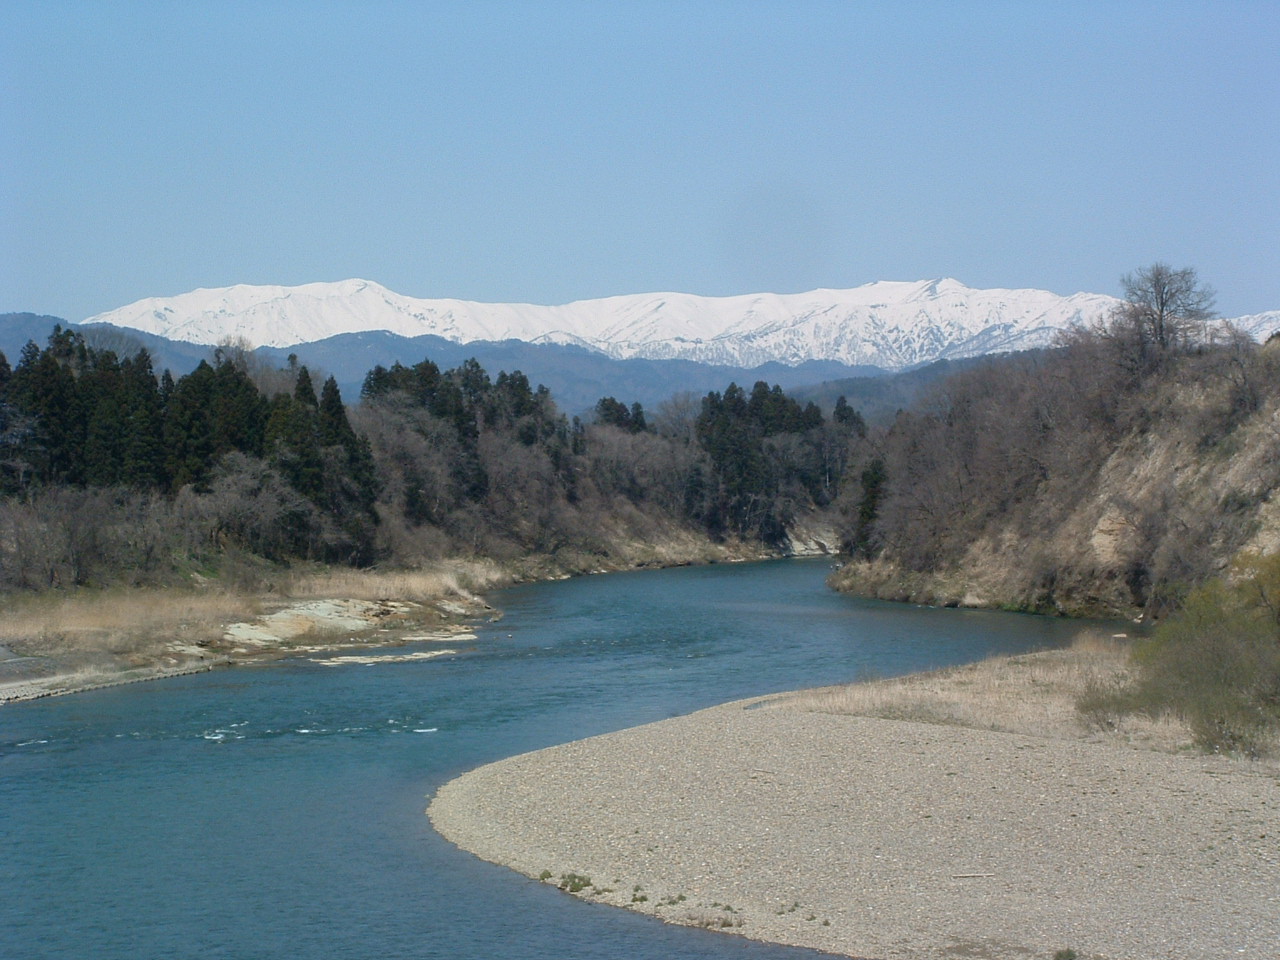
x=109 y=472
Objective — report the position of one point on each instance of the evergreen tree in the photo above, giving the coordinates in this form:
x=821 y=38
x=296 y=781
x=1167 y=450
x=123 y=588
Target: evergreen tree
x=44 y=387
x=103 y=452
x=105 y=402
x=68 y=348
x=429 y=388
x=303 y=390
x=239 y=411
x=849 y=418
x=331 y=418
x=363 y=471
x=9 y=437
x=638 y=424
x=473 y=381
x=873 y=480
x=731 y=436
x=377 y=383
x=509 y=399
x=293 y=442
x=210 y=412
x=189 y=428
x=166 y=387
x=360 y=474
x=614 y=413
x=143 y=447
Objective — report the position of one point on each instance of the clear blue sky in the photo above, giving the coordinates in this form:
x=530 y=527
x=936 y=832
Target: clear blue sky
x=549 y=152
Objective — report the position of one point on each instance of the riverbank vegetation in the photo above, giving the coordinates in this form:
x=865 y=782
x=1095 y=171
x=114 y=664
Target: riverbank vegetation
x=1131 y=471
x=110 y=474
x=1071 y=481
x=1121 y=473
x=1215 y=666
x=240 y=485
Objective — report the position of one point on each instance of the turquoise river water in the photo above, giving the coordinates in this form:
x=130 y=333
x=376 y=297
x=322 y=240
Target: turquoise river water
x=276 y=810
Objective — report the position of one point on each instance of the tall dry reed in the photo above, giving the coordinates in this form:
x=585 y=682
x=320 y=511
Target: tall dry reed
x=118 y=620
x=451 y=578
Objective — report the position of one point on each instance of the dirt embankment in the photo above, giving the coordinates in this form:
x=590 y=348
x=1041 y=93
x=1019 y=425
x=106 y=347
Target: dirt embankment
x=1190 y=487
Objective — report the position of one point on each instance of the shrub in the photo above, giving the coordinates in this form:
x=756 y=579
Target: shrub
x=1217 y=663
x=574 y=882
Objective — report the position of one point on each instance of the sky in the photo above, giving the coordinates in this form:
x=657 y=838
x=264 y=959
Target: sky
x=546 y=152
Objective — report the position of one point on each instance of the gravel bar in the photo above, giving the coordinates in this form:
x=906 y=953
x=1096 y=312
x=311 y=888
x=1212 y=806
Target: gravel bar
x=892 y=839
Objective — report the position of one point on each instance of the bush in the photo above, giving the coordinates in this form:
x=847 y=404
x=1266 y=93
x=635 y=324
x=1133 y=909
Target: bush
x=1217 y=663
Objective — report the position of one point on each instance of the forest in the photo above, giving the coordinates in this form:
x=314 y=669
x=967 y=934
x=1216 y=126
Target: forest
x=111 y=473
x=1110 y=474
x=1129 y=470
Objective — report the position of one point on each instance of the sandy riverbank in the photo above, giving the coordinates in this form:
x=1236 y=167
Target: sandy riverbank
x=52 y=645
x=885 y=838
x=312 y=627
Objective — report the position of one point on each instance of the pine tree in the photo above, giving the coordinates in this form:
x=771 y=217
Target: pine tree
x=44 y=388
x=873 y=480
x=334 y=430
x=292 y=441
x=188 y=428
x=613 y=413
x=238 y=410
x=638 y=423
x=849 y=418
x=143 y=455
x=331 y=418
x=100 y=389
x=303 y=390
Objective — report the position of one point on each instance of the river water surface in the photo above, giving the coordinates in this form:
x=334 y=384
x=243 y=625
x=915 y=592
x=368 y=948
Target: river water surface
x=276 y=811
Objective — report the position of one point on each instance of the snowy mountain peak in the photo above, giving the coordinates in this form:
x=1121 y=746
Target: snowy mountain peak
x=890 y=324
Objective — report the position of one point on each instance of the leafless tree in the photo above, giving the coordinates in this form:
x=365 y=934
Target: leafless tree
x=1163 y=310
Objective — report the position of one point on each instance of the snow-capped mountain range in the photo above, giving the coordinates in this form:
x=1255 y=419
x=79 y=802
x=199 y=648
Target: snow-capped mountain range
x=886 y=324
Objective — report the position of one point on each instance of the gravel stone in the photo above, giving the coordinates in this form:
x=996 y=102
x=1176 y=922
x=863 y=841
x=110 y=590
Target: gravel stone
x=893 y=839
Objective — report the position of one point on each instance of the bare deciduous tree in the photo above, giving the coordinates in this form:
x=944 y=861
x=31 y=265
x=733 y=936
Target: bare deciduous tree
x=1163 y=309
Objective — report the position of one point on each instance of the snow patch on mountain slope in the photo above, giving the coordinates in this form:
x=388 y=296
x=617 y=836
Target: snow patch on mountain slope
x=1259 y=325
x=889 y=324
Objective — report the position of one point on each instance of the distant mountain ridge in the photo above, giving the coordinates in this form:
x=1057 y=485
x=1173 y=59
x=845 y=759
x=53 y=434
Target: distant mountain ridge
x=576 y=377
x=886 y=324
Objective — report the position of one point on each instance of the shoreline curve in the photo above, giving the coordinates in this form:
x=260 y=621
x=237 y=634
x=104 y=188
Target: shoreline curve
x=891 y=839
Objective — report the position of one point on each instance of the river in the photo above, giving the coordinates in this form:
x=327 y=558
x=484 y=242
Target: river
x=277 y=810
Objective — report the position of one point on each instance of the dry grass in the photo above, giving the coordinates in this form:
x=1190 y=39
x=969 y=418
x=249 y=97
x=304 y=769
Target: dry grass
x=119 y=622
x=1033 y=694
x=453 y=578
x=153 y=625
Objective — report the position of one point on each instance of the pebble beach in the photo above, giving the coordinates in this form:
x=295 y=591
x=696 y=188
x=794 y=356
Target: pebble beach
x=891 y=839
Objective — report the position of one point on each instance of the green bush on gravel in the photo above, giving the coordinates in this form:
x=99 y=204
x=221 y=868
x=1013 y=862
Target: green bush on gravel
x=1216 y=664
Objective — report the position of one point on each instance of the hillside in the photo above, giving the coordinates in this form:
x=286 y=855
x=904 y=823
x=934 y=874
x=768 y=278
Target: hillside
x=1071 y=482
x=18 y=329
x=576 y=377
